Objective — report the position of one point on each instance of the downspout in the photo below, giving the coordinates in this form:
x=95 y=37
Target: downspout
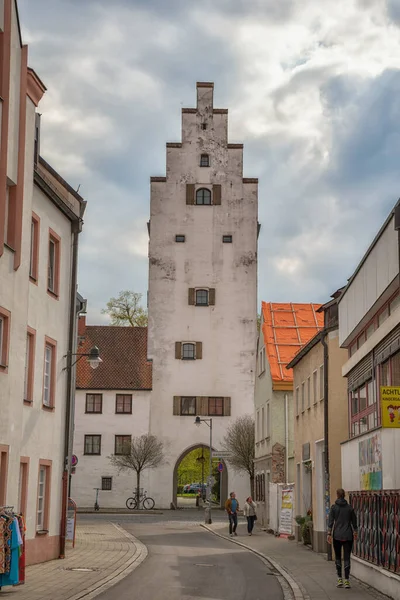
x=286 y=440
x=76 y=227
x=326 y=437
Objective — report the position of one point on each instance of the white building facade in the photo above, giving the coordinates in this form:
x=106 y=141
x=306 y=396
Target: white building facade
x=112 y=406
x=202 y=293
x=40 y=216
x=369 y=317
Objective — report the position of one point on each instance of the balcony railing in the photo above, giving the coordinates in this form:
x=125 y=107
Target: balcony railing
x=378 y=518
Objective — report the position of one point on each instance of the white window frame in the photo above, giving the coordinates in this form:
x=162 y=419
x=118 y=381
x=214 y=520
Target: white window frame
x=315 y=386
x=2 y=325
x=33 y=229
x=41 y=498
x=321 y=382
x=303 y=395
x=297 y=400
x=47 y=379
x=27 y=365
x=263 y=422
x=308 y=392
x=268 y=428
x=258 y=425
x=261 y=361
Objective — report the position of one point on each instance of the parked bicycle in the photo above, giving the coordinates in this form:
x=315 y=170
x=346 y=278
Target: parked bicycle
x=145 y=501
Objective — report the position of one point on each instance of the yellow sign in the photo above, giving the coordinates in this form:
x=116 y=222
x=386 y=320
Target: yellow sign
x=390 y=402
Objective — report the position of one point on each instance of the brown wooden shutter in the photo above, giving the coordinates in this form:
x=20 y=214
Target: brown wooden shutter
x=227 y=407
x=211 y=296
x=190 y=193
x=178 y=350
x=204 y=406
x=198 y=405
x=177 y=405
x=191 y=296
x=199 y=350
x=217 y=193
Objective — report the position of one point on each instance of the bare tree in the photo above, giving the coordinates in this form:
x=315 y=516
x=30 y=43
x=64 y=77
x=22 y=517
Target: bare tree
x=240 y=442
x=143 y=452
x=126 y=310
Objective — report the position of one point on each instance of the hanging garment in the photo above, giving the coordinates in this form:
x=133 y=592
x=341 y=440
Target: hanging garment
x=2 y=547
x=12 y=576
x=7 y=534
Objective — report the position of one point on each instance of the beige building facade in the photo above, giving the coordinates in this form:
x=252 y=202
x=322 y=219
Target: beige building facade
x=40 y=220
x=319 y=404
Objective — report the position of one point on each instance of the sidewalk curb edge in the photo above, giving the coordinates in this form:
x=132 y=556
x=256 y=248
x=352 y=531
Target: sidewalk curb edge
x=126 y=569
x=298 y=592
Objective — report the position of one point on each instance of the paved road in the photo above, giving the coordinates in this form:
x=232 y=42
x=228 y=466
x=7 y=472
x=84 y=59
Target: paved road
x=169 y=516
x=187 y=563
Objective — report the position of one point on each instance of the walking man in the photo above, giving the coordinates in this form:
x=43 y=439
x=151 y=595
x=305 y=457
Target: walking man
x=343 y=521
x=232 y=507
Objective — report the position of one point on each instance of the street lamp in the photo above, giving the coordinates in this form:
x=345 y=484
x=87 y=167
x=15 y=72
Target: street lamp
x=208 y=422
x=93 y=358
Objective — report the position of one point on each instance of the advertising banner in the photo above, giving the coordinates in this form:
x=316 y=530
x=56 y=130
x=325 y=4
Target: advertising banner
x=286 y=520
x=390 y=403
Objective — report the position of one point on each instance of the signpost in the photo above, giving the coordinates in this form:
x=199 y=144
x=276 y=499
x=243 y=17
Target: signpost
x=390 y=402
x=222 y=454
x=71 y=522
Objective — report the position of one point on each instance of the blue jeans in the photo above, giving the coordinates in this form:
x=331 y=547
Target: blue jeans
x=233 y=521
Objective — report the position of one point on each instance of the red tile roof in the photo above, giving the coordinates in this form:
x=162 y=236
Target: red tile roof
x=287 y=328
x=123 y=351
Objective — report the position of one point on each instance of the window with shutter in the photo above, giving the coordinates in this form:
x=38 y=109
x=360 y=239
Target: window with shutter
x=199 y=350
x=188 y=351
x=202 y=297
x=211 y=300
x=178 y=350
x=188 y=405
x=191 y=296
x=216 y=407
x=227 y=406
x=217 y=194
x=177 y=406
x=190 y=188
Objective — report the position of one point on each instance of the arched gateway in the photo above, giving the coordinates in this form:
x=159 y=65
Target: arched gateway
x=223 y=474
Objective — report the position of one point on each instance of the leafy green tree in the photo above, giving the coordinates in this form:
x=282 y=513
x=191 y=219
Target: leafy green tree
x=191 y=470
x=126 y=310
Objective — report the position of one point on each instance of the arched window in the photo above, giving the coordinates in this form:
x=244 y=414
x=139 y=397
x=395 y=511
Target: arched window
x=188 y=351
x=204 y=160
x=203 y=196
x=201 y=297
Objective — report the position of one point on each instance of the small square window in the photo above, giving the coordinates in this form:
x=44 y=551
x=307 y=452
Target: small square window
x=204 y=126
x=201 y=297
x=180 y=238
x=188 y=351
x=227 y=239
x=204 y=160
x=106 y=484
x=188 y=405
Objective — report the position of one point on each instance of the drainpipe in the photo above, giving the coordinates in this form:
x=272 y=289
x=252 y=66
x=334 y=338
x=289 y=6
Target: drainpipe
x=286 y=439
x=71 y=371
x=326 y=437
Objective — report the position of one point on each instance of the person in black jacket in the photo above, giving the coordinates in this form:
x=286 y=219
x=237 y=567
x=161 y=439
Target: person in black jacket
x=343 y=521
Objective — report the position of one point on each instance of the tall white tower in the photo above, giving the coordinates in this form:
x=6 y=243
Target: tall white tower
x=202 y=292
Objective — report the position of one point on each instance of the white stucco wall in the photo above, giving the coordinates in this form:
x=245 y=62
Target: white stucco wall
x=228 y=329
x=379 y=269
x=91 y=469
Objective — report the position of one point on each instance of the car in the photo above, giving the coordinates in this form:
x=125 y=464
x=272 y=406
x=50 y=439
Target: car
x=195 y=488
x=186 y=488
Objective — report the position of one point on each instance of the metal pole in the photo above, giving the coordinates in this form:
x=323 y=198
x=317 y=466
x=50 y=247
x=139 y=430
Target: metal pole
x=208 y=517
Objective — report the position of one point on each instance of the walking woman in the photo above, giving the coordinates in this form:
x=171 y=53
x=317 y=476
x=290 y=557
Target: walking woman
x=249 y=511
x=343 y=522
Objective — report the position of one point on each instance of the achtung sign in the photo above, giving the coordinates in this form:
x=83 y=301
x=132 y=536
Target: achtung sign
x=390 y=403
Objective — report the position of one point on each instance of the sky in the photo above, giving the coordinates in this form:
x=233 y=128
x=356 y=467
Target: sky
x=312 y=90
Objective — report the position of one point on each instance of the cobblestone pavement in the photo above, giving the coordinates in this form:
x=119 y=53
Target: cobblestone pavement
x=104 y=553
x=315 y=576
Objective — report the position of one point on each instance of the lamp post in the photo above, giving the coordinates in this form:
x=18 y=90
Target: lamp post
x=207 y=511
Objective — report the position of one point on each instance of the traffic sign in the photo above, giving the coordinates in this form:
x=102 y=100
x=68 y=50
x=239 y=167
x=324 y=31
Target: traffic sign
x=222 y=454
x=74 y=460
x=220 y=467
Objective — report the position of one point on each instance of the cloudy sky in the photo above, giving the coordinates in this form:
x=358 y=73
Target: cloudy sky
x=313 y=91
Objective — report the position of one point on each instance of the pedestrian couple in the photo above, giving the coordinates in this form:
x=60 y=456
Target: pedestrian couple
x=249 y=511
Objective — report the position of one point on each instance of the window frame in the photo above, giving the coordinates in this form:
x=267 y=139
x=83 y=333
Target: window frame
x=308 y=392
x=201 y=192
x=122 y=435
x=321 y=383
x=199 y=290
x=93 y=412
x=124 y=397
x=180 y=241
x=205 y=158
x=51 y=344
x=29 y=366
x=193 y=345
x=34 y=249
x=5 y=318
x=315 y=386
x=44 y=495
x=91 y=435
x=227 y=239
x=55 y=240
x=261 y=361
x=303 y=396
x=363 y=414
x=191 y=405
x=103 y=480
x=212 y=399
x=297 y=401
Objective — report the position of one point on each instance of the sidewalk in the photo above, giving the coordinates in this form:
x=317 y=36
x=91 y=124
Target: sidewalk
x=315 y=576
x=104 y=554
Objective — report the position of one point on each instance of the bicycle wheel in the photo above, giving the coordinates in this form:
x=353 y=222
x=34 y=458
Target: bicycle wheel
x=148 y=503
x=131 y=503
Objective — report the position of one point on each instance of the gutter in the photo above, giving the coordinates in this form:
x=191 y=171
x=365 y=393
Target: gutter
x=324 y=333
x=76 y=227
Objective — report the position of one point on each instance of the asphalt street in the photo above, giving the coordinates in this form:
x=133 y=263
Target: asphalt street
x=185 y=562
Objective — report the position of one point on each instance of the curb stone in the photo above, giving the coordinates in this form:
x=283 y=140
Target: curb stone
x=126 y=569
x=298 y=592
